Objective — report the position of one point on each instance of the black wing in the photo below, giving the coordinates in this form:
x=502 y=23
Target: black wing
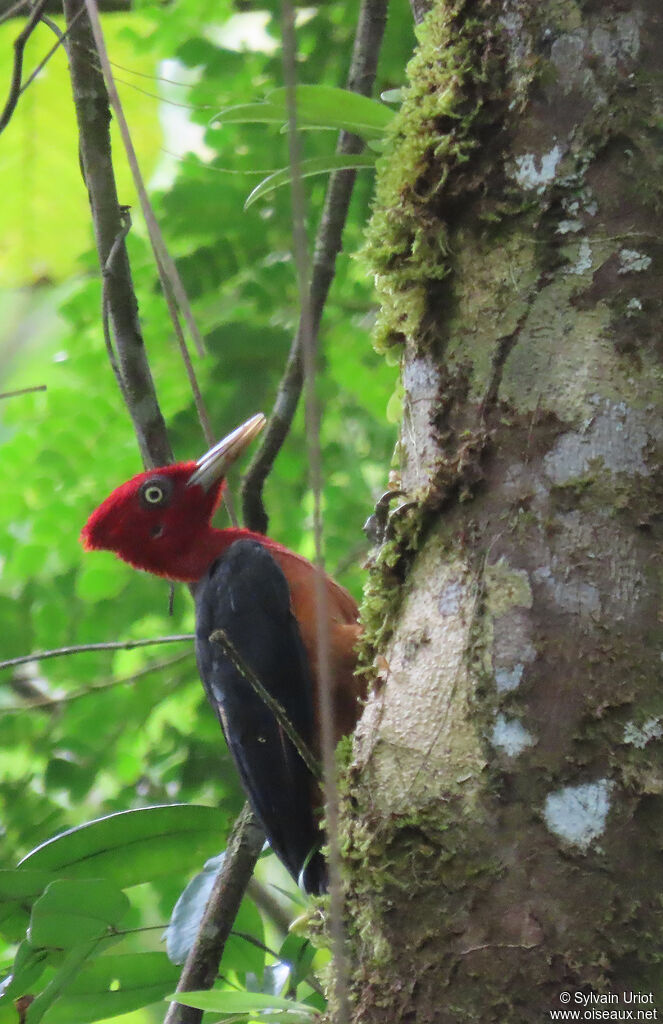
x=246 y=594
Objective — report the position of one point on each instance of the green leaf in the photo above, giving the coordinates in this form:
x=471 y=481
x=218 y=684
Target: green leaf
x=18 y=890
x=132 y=847
x=250 y=113
x=189 y=909
x=72 y=963
x=231 y=1001
x=29 y=965
x=111 y=985
x=318 y=106
x=308 y=168
x=297 y=952
x=329 y=107
x=240 y=954
x=74 y=911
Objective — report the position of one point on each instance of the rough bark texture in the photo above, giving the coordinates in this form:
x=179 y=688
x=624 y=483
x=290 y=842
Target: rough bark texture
x=504 y=788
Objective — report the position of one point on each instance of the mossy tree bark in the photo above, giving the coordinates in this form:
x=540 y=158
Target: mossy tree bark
x=504 y=816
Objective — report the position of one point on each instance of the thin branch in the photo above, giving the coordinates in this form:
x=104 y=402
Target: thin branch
x=220 y=637
x=17 y=71
x=111 y=645
x=341 y=967
x=86 y=691
x=93 y=115
x=12 y=10
x=22 y=391
x=363 y=67
x=164 y=261
x=106 y=275
x=202 y=963
x=62 y=41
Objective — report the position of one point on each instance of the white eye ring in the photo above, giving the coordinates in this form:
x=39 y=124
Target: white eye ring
x=156 y=491
x=153 y=494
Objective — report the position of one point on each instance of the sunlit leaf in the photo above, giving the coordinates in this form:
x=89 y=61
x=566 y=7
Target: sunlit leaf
x=317 y=106
x=250 y=113
x=309 y=168
x=330 y=107
x=231 y=1001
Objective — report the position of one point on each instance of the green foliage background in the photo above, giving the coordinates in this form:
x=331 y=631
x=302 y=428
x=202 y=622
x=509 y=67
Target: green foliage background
x=107 y=739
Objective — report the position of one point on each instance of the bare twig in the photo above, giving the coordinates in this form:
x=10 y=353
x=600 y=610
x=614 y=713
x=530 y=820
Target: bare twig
x=220 y=637
x=86 y=691
x=62 y=41
x=17 y=72
x=22 y=391
x=106 y=274
x=12 y=10
x=202 y=963
x=363 y=67
x=111 y=645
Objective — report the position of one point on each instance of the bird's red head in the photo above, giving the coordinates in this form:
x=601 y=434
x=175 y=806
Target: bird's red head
x=160 y=521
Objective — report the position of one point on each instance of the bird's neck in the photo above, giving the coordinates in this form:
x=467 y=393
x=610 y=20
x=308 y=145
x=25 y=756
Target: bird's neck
x=218 y=541
x=193 y=564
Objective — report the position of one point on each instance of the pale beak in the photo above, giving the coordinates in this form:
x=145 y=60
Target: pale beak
x=213 y=465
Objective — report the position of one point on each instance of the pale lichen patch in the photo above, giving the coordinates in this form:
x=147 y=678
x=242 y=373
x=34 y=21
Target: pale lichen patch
x=507 y=679
x=567 y=55
x=578 y=814
x=615 y=434
x=561 y=353
x=536 y=172
x=509 y=639
x=510 y=736
x=640 y=735
x=571 y=594
x=633 y=262
x=568 y=226
x=583 y=259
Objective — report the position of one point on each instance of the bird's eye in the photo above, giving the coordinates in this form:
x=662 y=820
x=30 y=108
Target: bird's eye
x=156 y=491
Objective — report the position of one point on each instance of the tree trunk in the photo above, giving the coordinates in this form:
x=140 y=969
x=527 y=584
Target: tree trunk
x=504 y=821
